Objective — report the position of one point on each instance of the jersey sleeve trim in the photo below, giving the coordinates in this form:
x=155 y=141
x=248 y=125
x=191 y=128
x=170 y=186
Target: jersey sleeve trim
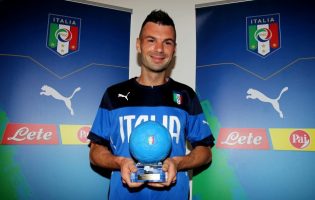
x=98 y=140
x=208 y=142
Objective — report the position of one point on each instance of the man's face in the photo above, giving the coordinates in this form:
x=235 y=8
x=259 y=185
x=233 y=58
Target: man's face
x=156 y=46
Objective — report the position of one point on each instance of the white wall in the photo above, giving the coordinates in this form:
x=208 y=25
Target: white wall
x=183 y=14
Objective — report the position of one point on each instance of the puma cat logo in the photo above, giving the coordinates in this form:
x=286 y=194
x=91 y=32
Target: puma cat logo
x=255 y=94
x=49 y=91
x=124 y=96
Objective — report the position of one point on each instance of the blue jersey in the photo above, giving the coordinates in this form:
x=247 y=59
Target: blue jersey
x=126 y=105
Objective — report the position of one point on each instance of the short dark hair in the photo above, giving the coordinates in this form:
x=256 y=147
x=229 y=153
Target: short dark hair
x=158 y=17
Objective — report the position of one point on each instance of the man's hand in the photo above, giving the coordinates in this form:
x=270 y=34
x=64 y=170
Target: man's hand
x=127 y=166
x=170 y=167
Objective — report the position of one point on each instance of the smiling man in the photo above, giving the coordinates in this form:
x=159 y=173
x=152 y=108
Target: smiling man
x=153 y=96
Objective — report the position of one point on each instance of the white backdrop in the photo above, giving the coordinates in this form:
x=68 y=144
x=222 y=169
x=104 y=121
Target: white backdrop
x=183 y=14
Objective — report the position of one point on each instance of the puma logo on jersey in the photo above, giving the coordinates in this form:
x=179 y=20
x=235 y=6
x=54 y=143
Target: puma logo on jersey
x=255 y=94
x=124 y=96
x=205 y=122
x=49 y=91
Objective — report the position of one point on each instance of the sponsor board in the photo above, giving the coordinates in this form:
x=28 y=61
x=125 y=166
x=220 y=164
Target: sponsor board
x=287 y=139
x=74 y=134
x=41 y=134
x=243 y=138
x=292 y=139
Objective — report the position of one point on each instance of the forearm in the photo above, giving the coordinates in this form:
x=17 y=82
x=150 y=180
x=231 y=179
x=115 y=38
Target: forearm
x=199 y=156
x=102 y=157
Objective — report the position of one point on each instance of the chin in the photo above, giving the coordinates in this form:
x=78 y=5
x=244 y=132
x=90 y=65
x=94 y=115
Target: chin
x=158 y=69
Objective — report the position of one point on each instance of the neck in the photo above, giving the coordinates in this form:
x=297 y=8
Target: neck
x=152 y=80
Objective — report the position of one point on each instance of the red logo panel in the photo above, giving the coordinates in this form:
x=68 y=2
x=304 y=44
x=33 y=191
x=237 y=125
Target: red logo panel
x=300 y=139
x=30 y=134
x=243 y=138
x=83 y=133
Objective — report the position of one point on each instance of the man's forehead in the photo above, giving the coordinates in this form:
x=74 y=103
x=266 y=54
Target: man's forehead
x=151 y=29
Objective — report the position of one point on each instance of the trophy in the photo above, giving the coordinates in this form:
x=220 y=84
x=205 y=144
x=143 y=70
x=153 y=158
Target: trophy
x=149 y=144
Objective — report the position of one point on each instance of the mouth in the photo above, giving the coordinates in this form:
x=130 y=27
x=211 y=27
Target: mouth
x=158 y=58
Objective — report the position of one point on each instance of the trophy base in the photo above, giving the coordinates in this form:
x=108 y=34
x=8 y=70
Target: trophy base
x=149 y=173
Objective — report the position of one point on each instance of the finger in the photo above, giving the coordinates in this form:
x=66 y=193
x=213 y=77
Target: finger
x=174 y=180
x=157 y=185
x=165 y=167
x=133 y=168
x=135 y=184
x=168 y=182
x=171 y=179
x=130 y=184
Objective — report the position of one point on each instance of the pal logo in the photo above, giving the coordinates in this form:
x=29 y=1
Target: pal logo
x=83 y=133
x=74 y=134
x=290 y=139
x=300 y=139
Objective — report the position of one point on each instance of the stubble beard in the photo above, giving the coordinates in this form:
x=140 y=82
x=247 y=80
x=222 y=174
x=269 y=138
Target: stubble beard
x=156 y=68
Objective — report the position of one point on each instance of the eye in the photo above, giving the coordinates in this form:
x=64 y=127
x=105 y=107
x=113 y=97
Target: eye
x=169 y=43
x=150 y=40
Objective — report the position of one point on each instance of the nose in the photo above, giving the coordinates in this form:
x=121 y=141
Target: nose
x=159 y=47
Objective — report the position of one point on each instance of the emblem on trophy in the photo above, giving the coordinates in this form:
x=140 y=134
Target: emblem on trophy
x=149 y=144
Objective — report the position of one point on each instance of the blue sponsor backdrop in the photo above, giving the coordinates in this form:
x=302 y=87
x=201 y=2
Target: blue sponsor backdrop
x=27 y=64
x=226 y=70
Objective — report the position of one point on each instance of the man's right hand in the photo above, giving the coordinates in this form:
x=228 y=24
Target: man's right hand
x=127 y=166
x=102 y=157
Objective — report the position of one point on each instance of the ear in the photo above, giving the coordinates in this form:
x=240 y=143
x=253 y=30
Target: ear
x=138 y=45
x=174 y=54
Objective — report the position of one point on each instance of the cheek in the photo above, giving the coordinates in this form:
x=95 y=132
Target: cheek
x=147 y=47
x=170 y=53
x=170 y=50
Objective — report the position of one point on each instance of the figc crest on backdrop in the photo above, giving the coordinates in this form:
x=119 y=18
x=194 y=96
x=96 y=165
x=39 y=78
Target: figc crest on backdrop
x=263 y=34
x=63 y=34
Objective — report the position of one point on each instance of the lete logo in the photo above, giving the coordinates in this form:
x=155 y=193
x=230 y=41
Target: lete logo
x=243 y=138
x=30 y=134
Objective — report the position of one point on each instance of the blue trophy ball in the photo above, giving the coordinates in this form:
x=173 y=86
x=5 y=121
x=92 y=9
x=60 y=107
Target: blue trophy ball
x=150 y=142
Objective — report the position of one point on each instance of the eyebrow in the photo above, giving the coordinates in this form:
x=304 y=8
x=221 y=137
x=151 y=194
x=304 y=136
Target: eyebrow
x=152 y=37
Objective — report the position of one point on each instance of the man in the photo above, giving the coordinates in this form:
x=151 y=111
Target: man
x=156 y=97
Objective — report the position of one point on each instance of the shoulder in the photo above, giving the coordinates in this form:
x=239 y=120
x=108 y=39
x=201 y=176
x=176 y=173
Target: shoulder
x=121 y=86
x=187 y=97
x=116 y=93
x=183 y=88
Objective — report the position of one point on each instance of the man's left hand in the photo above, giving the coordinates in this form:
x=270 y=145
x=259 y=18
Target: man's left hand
x=170 y=167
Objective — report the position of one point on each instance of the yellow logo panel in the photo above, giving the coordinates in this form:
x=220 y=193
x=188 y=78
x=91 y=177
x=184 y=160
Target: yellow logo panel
x=292 y=139
x=74 y=134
